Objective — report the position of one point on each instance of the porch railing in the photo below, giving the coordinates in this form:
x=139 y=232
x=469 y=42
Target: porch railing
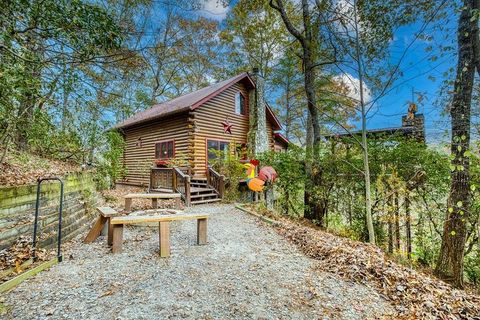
x=216 y=181
x=171 y=180
x=161 y=179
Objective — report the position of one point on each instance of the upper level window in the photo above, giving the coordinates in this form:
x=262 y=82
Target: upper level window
x=165 y=149
x=239 y=103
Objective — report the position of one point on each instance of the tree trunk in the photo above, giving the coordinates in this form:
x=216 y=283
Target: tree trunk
x=307 y=40
x=31 y=92
x=397 y=223
x=450 y=261
x=408 y=224
x=390 y=224
x=366 y=164
x=288 y=115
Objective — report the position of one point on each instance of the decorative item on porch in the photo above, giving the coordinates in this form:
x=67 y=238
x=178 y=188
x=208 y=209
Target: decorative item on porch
x=266 y=175
x=227 y=126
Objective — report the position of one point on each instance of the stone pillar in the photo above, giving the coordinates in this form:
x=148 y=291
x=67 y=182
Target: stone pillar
x=417 y=124
x=257 y=134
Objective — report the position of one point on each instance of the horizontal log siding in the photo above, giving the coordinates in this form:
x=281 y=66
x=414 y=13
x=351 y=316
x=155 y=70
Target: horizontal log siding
x=139 y=160
x=271 y=141
x=208 y=125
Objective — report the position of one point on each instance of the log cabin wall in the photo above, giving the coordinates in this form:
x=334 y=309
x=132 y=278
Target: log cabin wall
x=140 y=142
x=207 y=125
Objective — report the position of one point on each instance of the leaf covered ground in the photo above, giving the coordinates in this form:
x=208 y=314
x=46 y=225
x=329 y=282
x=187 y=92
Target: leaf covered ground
x=20 y=168
x=415 y=295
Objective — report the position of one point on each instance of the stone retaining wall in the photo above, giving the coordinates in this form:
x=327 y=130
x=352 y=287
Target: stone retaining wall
x=17 y=209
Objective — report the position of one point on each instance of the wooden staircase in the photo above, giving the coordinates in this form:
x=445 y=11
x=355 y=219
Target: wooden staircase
x=200 y=192
x=194 y=190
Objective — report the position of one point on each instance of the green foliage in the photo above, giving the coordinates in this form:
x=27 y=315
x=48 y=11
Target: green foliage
x=47 y=47
x=110 y=165
x=229 y=165
x=291 y=178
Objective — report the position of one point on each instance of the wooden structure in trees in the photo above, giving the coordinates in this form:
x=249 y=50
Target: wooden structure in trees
x=413 y=127
x=168 y=146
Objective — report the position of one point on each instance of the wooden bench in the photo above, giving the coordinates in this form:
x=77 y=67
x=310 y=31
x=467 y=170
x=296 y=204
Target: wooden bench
x=163 y=229
x=104 y=217
x=154 y=196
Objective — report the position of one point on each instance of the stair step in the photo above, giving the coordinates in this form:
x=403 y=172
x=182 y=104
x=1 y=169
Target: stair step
x=204 y=195
x=206 y=201
x=201 y=190
x=197 y=185
x=160 y=190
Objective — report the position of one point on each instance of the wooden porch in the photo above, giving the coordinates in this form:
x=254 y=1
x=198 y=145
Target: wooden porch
x=193 y=190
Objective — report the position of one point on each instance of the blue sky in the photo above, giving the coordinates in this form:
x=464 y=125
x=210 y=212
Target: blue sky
x=417 y=70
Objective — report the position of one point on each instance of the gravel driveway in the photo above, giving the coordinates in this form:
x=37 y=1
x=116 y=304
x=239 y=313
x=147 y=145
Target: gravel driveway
x=246 y=271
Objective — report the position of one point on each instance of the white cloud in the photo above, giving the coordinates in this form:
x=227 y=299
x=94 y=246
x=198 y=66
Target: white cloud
x=352 y=86
x=214 y=9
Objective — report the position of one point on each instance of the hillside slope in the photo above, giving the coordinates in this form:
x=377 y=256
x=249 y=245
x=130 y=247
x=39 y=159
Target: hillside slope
x=415 y=295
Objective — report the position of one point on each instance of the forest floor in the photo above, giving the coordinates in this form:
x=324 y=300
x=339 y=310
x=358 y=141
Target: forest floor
x=20 y=168
x=247 y=270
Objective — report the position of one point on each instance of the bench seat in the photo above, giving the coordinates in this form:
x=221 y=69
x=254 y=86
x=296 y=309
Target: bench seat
x=163 y=228
x=105 y=214
x=153 y=196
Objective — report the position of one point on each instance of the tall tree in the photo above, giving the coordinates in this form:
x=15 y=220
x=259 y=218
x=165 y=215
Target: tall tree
x=39 y=38
x=450 y=261
x=254 y=37
x=307 y=37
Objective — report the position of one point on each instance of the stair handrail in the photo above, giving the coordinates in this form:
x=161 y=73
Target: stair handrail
x=179 y=174
x=216 y=181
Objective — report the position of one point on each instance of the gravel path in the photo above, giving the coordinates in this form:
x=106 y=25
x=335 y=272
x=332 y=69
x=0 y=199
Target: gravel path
x=246 y=271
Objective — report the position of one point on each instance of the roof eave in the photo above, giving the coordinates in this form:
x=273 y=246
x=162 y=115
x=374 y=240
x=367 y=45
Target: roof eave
x=156 y=117
x=221 y=89
x=276 y=123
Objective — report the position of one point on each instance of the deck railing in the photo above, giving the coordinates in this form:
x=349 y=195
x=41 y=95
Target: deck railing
x=216 y=181
x=161 y=179
x=171 y=180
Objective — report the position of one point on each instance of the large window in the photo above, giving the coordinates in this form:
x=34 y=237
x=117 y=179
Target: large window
x=215 y=147
x=165 y=149
x=240 y=103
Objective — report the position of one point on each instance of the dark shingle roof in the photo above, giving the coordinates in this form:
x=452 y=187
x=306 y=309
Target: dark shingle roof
x=186 y=102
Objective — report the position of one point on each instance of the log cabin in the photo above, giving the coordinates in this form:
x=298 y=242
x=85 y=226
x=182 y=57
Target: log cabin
x=170 y=146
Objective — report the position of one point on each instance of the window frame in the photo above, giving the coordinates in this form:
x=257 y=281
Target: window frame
x=162 y=142
x=207 y=148
x=243 y=112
